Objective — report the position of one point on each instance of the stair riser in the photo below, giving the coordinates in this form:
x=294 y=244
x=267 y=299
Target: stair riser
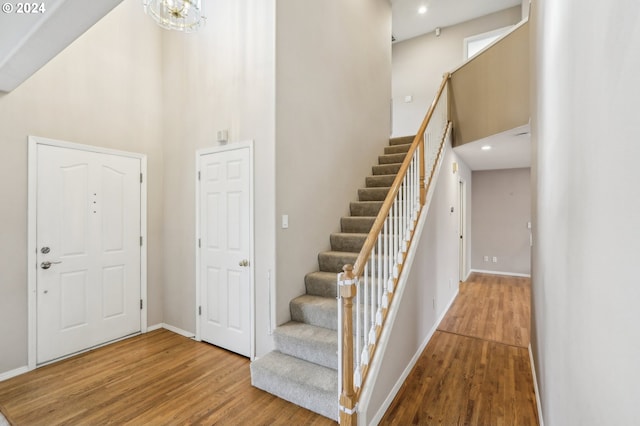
x=379 y=181
x=386 y=169
x=369 y=208
x=323 y=285
x=347 y=242
x=391 y=158
x=314 y=314
x=332 y=262
x=357 y=224
x=325 y=355
x=403 y=140
x=396 y=149
x=372 y=194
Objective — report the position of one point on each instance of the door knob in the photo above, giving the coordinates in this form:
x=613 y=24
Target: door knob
x=46 y=264
x=244 y=262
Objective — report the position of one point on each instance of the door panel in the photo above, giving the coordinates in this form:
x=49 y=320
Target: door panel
x=73 y=300
x=88 y=216
x=225 y=249
x=75 y=217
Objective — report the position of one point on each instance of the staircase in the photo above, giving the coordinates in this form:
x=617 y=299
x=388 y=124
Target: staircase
x=304 y=367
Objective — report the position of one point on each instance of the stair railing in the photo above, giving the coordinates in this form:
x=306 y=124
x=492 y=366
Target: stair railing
x=369 y=284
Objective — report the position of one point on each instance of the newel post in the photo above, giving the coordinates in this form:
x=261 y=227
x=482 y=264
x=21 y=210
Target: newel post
x=348 y=415
x=423 y=191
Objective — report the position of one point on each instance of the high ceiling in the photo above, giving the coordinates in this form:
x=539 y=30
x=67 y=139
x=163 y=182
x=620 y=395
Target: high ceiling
x=408 y=23
x=30 y=40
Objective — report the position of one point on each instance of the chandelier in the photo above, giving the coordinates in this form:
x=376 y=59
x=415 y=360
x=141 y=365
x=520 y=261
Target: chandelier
x=179 y=15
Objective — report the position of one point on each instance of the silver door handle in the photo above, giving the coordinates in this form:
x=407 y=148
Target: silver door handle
x=47 y=264
x=244 y=262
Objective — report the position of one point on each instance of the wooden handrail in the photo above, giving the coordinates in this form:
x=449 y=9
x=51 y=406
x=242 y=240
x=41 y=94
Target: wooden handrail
x=376 y=229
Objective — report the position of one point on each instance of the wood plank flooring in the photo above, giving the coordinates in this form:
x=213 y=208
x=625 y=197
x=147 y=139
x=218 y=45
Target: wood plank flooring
x=159 y=378
x=475 y=370
x=492 y=307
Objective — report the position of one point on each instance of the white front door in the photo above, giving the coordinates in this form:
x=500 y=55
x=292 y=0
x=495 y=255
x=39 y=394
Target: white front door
x=225 y=249
x=88 y=249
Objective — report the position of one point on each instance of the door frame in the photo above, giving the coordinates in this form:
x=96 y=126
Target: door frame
x=32 y=206
x=462 y=229
x=252 y=308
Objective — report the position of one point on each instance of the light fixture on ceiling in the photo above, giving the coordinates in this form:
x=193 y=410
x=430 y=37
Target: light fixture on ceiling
x=422 y=10
x=179 y=15
x=486 y=147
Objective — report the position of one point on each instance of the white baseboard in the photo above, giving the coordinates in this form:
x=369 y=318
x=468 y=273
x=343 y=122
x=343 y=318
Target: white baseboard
x=535 y=387
x=13 y=373
x=154 y=327
x=512 y=274
x=178 y=331
x=396 y=388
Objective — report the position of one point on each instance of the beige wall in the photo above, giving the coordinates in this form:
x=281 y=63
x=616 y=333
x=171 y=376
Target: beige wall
x=501 y=102
x=127 y=84
x=221 y=77
x=419 y=63
x=501 y=210
x=103 y=90
x=333 y=91
x=585 y=292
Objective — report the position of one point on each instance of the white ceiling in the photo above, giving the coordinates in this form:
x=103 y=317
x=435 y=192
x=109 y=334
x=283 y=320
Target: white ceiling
x=407 y=23
x=509 y=150
x=28 y=41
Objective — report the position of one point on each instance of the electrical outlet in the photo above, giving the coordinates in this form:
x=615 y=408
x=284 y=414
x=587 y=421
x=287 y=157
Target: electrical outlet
x=486 y=258
x=494 y=260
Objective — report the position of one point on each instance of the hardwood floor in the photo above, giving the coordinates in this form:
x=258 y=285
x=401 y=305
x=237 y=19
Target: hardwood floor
x=475 y=370
x=159 y=378
x=492 y=307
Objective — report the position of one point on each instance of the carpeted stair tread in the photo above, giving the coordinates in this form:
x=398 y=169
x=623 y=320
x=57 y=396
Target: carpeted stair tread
x=307 y=342
x=343 y=241
x=303 y=368
x=321 y=283
x=357 y=224
x=379 y=181
x=386 y=169
x=402 y=140
x=373 y=194
x=315 y=310
x=333 y=261
x=395 y=149
x=391 y=158
x=301 y=382
x=365 y=208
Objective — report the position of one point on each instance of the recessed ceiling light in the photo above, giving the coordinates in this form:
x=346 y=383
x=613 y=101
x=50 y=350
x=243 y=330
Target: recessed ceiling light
x=486 y=147
x=422 y=10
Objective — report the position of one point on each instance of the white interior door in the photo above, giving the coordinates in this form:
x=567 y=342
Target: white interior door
x=88 y=249
x=225 y=249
